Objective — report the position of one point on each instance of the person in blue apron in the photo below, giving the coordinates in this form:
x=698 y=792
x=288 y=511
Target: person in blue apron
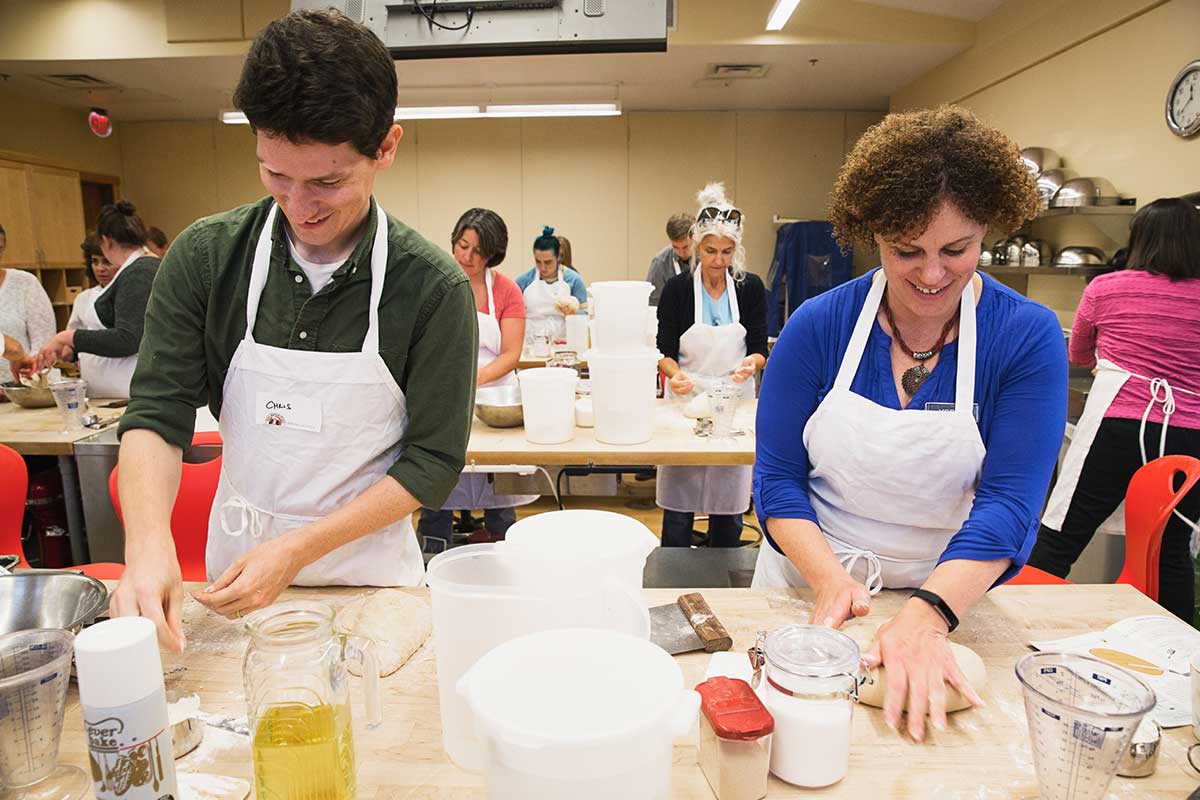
x=335 y=345
x=712 y=327
x=1139 y=329
x=551 y=290
x=909 y=420
x=111 y=321
x=479 y=243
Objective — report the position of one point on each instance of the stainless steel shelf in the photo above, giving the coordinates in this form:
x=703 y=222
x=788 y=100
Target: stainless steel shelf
x=1089 y=211
x=1086 y=272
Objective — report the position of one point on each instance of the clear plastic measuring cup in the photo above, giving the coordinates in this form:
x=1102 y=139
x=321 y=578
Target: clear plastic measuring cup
x=71 y=396
x=1082 y=713
x=35 y=668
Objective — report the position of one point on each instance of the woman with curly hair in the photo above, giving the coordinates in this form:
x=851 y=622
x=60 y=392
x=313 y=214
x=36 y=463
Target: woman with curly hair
x=910 y=420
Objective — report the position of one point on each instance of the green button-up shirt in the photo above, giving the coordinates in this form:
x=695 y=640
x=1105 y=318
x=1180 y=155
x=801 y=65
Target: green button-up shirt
x=428 y=333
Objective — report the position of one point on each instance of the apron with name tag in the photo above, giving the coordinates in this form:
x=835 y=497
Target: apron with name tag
x=890 y=487
x=305 y=433
x=707 y=353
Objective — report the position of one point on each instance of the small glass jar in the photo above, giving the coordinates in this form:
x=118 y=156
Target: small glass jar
x=735 y=739
x=811 y=677
x=564 y=358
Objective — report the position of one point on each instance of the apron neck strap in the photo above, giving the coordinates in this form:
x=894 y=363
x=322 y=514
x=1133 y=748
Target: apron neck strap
x=964 y=398
x=262 y=262
x=491 y=296
x=730 y=291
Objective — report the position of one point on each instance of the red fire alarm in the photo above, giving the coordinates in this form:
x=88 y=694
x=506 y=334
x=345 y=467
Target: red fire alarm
x=99 y=122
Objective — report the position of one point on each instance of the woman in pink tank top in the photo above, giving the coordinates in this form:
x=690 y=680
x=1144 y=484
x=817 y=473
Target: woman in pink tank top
x=1141 y=329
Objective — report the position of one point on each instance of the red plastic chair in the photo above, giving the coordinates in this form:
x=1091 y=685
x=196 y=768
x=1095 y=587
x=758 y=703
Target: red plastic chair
x=13 y=489
x=1149 y=502
x=189 y=517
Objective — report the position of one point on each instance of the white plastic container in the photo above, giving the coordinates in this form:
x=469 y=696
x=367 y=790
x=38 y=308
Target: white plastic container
x=548 y=404
x=621 y=309
x=623 y=390
x=578 y=714
x=577 y=332
x=810 y=684
x=125 y=710
x=479 y=601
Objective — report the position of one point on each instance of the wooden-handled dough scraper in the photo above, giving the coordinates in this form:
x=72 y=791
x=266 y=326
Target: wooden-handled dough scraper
x=686 y=625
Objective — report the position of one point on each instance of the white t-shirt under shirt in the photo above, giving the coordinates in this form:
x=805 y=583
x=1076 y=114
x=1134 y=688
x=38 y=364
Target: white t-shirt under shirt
x=318 y=274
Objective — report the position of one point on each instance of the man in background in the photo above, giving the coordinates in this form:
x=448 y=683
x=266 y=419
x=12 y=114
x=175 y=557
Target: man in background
x=673 y=259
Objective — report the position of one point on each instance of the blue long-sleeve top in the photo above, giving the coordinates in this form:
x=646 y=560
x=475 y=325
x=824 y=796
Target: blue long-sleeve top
x=1020 y=390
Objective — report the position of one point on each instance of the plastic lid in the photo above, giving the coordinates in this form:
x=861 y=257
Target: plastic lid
x=118 y=662
x=734 y=710
x=812 y=651
x=579 y=534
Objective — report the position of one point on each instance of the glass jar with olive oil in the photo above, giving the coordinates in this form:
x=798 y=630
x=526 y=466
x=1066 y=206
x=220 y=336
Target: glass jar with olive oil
x=298 y=702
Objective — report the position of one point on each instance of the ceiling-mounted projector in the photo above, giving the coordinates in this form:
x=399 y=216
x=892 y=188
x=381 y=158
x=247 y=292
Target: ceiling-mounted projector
x=463 y=28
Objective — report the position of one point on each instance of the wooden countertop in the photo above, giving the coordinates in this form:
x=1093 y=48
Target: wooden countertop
x=38 y=431
x=984 y=752
x=672 y=443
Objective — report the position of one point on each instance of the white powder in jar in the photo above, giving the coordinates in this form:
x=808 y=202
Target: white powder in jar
x=811 y=745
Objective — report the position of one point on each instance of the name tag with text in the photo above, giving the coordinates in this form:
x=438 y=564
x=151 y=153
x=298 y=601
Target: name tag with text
x=287 y=411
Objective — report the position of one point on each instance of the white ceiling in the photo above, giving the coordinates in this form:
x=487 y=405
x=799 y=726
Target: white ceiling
x=850 y=73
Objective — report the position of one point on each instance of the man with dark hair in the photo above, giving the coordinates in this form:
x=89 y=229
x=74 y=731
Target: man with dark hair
x=673 y=259
x=335 y=344
x=156 y=242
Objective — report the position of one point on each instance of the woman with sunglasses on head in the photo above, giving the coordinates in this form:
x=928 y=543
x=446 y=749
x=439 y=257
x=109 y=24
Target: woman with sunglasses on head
x=911 y=418
x=712 y=326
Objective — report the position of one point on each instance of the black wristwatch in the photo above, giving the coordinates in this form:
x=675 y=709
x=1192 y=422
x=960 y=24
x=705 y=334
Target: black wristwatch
x=939 y=605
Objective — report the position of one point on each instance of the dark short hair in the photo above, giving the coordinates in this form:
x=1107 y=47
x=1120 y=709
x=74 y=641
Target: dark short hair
x=91 y=249
x=1165 y=239
x=679 y=226
x=318 y=76
x=121 y=223
x=156 y=237
x=902 y=169
x=564 y=251
x=491 y=230
x=548 y=241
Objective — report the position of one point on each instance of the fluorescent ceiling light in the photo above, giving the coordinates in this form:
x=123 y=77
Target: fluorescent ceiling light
x=436 y=112
x=780 y=14
x=234 y=118
x=555 y=110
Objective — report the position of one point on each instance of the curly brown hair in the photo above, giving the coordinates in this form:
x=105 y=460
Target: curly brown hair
x=903 y=168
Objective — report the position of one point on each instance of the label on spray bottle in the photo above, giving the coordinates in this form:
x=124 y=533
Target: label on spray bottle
x=130 y=750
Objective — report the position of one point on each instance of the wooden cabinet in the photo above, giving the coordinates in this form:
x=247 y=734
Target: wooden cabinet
x=41 y=209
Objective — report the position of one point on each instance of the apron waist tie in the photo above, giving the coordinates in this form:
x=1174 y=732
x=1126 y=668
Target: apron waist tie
x=849 y=556
x=1162 y=393
x=248 y=518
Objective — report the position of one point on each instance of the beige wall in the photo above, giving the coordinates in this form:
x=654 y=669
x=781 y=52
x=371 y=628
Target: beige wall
x=1094 y=92
x=608 y=184
x=57 y=134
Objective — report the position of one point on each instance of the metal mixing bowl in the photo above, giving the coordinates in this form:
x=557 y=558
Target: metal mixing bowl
x=1085 y=192
x=499 y=406
x=49 y=599
x=26 y=397
x=1050 y=181
x=1039 y=159
x=1080 y=257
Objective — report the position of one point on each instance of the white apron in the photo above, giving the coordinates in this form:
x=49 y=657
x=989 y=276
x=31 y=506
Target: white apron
x=890 y=487
x=540 y=313
x=474 y=490
x=347 y=418
x=706 y=353
x=105 y=376
x=1109 y=380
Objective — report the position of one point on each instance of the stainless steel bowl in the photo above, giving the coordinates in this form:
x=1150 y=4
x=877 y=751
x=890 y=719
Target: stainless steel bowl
x=1050 y=181
x=1085 y=192
x=499 y=406
x=26 y=397
x=1080 y=257
x=49 y=599
x=1039 y=159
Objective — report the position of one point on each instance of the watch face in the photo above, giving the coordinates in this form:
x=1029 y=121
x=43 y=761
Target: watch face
x=1183 y=101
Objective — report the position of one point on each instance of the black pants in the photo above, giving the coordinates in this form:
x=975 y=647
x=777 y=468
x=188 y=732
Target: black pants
x=724 y=530
x=1105 y=476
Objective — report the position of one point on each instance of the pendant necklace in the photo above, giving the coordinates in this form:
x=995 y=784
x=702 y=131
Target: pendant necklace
x=913 y=377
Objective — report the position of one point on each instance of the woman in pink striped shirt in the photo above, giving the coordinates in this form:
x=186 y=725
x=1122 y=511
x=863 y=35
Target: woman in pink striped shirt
x=1141 y=329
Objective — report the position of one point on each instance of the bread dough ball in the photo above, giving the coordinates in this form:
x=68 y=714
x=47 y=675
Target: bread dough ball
x=396 y=621
x=698 y=407
x=872 y=691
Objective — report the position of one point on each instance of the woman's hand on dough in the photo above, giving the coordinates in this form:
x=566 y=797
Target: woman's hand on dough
x=838 y=599
x=914 y=647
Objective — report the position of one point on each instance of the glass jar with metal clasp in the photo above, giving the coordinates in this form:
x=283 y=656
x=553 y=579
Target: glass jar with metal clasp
x=810 y=676
x=565 y=358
